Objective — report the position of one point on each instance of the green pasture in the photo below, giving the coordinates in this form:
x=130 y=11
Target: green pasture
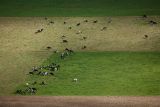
x=102 y=73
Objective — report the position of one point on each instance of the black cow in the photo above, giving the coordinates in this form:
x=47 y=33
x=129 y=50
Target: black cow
x=145 y=36
x=52 y=73
x=85 y=20
x=38 y=31
x=144 y=16
x=78 y=24
x=65 y=41
x=152 y=22
x=84 y=47
x=48 y=47
x=95 y=21
x=51 y=22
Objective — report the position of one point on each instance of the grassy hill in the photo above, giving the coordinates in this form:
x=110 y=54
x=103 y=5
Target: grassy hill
x=79 y=7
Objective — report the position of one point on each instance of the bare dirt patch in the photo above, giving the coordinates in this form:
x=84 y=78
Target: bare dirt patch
x=73 y=101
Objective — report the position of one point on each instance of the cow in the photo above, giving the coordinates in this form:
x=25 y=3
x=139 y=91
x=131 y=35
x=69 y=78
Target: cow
x=38 y=31
x=144 y=16
x=78 y=24
x=145 y=36
x=51 y=22
x=43 y=83
x=69 y=27
x=65 y=41
x=85 y=20
x=84 y=47
x=152 y=22
x=31 y=73
x=62 y=55
x=95 y=21
x=51 y=73
x=104 y=28
x=48 y=47
x=75 y=80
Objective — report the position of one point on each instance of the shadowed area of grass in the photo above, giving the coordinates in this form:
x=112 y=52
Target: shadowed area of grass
x=79 y=7
x=103 y=73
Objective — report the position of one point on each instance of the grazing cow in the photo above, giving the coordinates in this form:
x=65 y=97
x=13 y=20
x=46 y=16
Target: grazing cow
x=84 y=38
x=75 y=80
x=51 y=73
x=56 y=51
x=35 y=82
x=27 y=84
x=63 y=36
x=58 y=67
x=34 y=90
x=55 y=69
x=95 y=21
x=152 y=22
x=69 y=50
x=84 y=47
x=43 y=83
x=79 y=32
x=144 y=16
x=78 y=24
x=64 y=22
x=31 y=73
x=20 y=91
x=51 y=22
x=69 y=27
x=34 y=69
x=85 y=20
x=38 y=31
x=104 y=28
x=41 y=30
x=145 y=36
x=31 y=90
x=48 y=47
x=62 y=55
x=39 y=73
x=65 y=41
x=66 y=53
x=45 y=73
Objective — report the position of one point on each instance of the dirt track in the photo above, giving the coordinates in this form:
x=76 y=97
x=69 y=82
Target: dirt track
x=72 y=101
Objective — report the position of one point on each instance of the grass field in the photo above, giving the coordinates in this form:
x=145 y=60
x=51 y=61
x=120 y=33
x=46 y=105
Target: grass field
x=21 y=49
x=103 y=73
x=79 y=7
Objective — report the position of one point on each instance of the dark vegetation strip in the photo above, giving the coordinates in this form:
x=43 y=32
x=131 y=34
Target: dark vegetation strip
x=79 y=7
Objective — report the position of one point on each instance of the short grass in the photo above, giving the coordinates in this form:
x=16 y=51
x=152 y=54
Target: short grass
x=79 y=7
x=103 y=73
x=21 y=49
